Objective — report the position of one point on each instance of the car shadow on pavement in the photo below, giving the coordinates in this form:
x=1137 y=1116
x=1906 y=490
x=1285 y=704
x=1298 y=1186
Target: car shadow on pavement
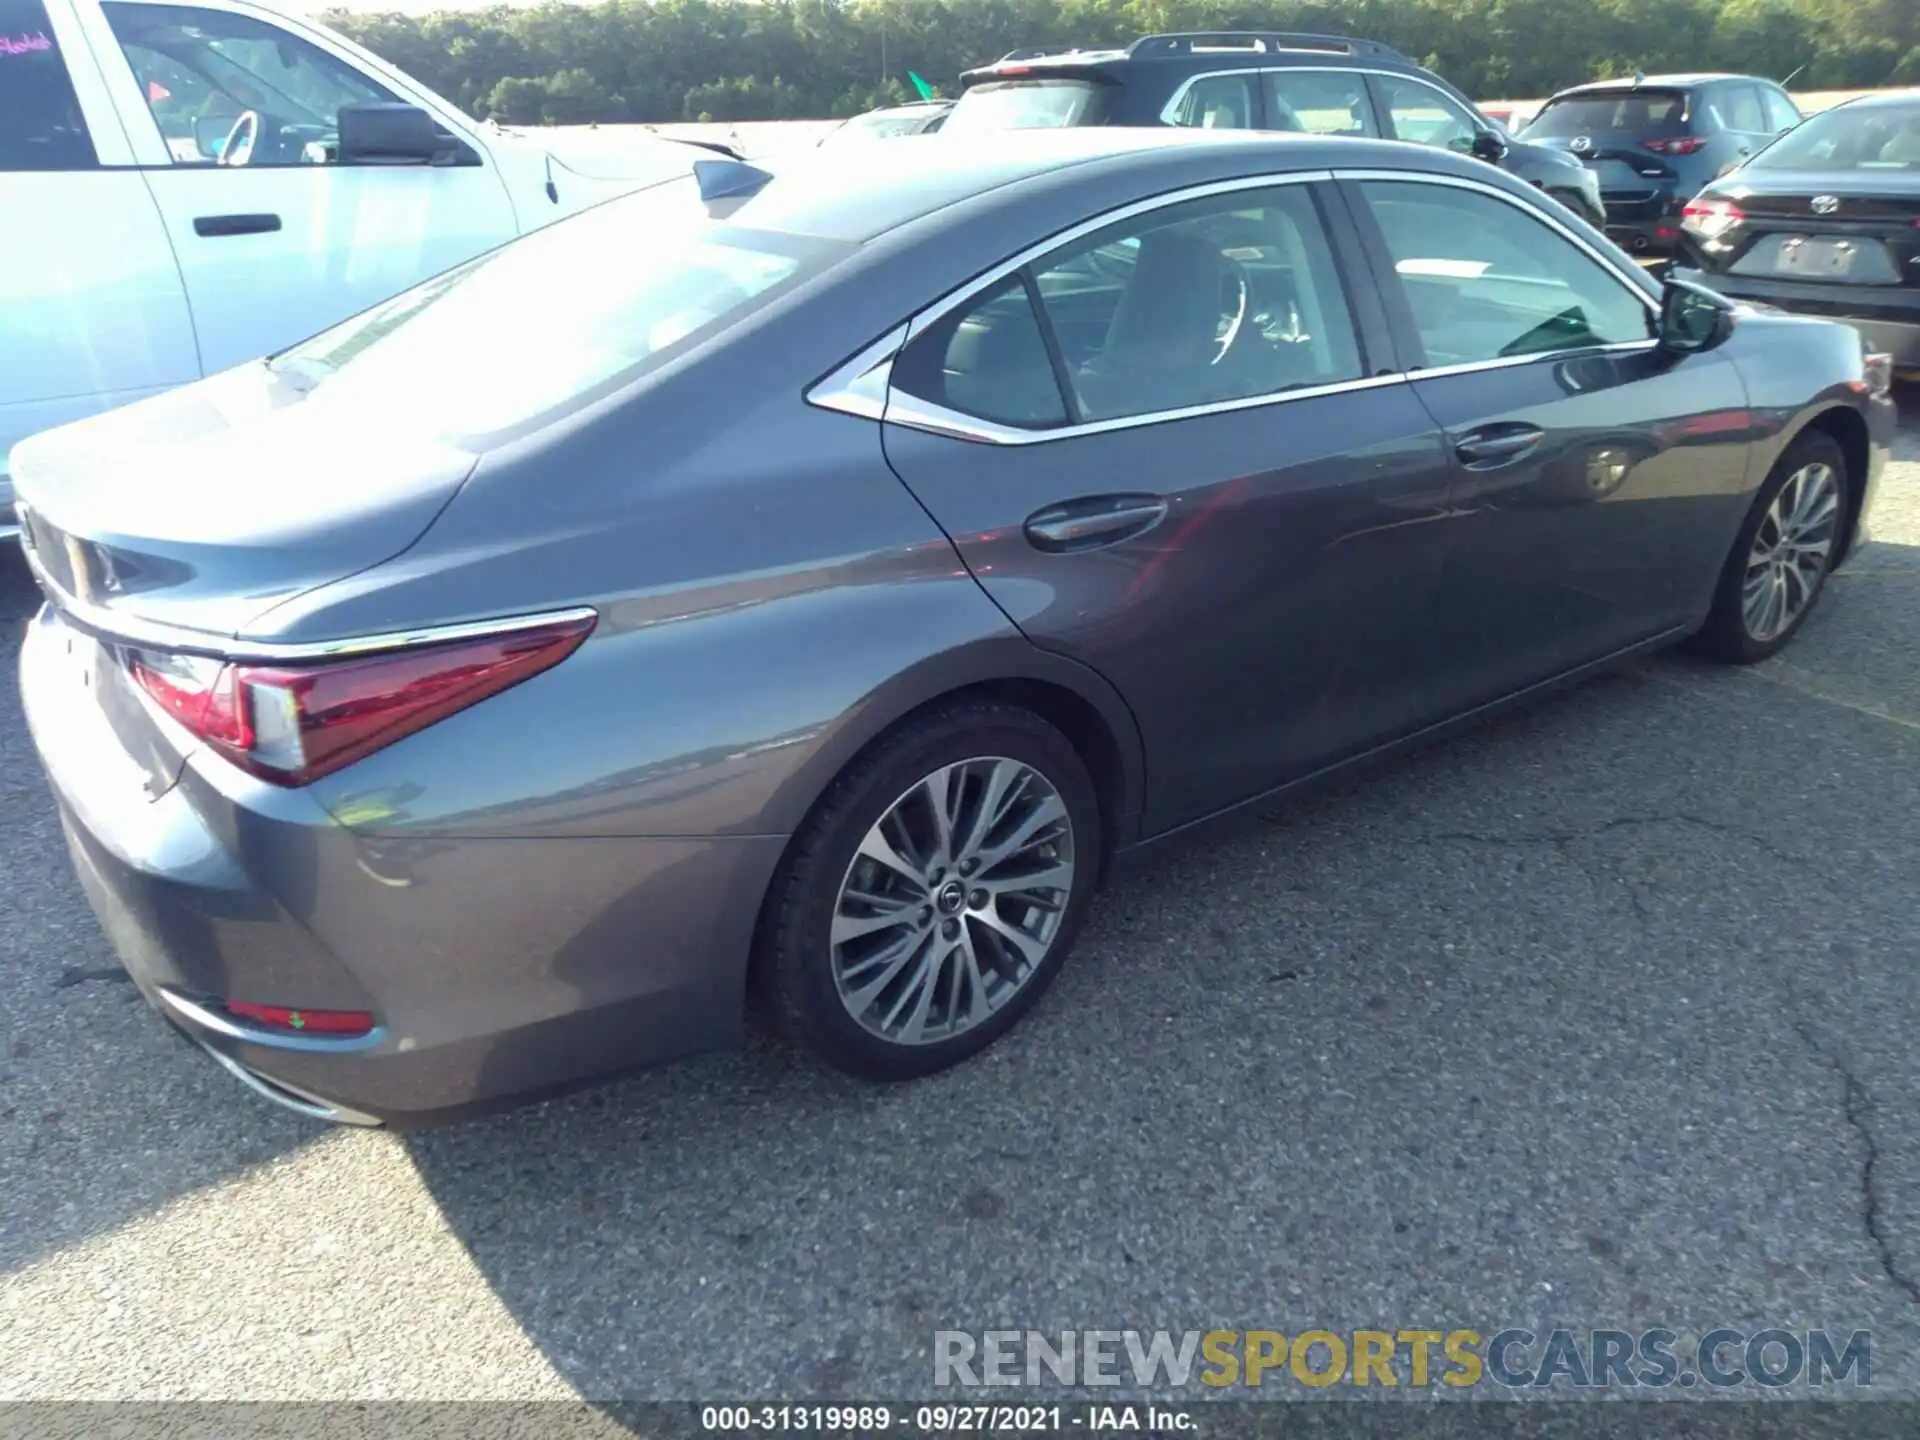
x=1546 y=1026
x=105 y=1116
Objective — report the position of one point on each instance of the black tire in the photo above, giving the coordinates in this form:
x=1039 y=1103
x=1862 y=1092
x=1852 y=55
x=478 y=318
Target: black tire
x=795 y=963
x=1725 y=636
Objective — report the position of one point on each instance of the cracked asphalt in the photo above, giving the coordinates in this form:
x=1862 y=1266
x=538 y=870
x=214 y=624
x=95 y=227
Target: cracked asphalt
x=1603 y=1016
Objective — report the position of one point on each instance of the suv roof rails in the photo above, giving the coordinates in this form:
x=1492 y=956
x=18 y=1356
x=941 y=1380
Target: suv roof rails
x=1194 y=42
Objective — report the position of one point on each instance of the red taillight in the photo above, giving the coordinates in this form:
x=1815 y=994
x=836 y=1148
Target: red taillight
x=1712 y=216
x=291 y=724
x=310 y=1022
x=1677 y=145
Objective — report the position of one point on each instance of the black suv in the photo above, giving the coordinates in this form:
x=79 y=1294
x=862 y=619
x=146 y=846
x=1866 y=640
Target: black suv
x=1654 y=141
x=1258 y=80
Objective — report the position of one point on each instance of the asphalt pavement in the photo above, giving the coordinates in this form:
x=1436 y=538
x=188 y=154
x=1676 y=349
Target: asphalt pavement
x=1601 y=1016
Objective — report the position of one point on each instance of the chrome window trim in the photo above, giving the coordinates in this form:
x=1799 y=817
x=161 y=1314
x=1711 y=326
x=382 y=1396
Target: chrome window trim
x=850 y=387
x=861 y=385
x=107 y=624
x=1518 y=202
x=916 y=414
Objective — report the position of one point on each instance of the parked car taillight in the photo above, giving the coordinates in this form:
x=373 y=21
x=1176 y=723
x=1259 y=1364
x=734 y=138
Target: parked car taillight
x=1677 y=145
x=291 y=724
x=1712 y=217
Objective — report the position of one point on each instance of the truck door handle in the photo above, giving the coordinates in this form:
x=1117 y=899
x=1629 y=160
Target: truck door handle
x=213 y=226
x=1093 y=522
x=1495 y=445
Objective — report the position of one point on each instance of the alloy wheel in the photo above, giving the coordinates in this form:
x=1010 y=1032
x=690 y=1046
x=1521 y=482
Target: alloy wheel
x=953 y=900
x=1791 y=552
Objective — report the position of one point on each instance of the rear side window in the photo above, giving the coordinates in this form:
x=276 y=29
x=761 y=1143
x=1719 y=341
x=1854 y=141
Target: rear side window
x=1027 y=105
x=1217 y=102
x=987 y=359
x=41 y=127
x=1204 y=302
x=1319 y=102
x=1628 y=112
x=1738 y=107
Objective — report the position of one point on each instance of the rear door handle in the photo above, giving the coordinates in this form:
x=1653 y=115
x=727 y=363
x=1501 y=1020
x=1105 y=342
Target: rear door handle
x=1093 y=522
x=213 y=226
x=1495 y=445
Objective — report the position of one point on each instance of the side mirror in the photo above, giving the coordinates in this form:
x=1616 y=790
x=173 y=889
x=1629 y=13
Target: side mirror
x=392 y=134
x=1488 y=146
x=1692 y=317
x=210 y=134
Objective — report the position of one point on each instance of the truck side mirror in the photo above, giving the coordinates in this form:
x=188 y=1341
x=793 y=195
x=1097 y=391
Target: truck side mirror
x=391 y=133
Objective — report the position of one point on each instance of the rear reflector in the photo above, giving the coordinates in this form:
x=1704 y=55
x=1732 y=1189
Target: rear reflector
x=291 y=724
x=1677 y=145
x=311 y=1022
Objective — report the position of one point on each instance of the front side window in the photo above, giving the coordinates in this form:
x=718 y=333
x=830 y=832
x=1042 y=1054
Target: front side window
x=1218 y=102
x=1426 y=116
x=541 y=326
x=202 y=71
x=41 y=127
x=1487 y=281
x=1781 y=112
x=1320 y=102
x=1204 y=302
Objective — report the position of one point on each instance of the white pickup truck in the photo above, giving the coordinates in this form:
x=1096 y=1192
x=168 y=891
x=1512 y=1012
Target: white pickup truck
x=187 y=185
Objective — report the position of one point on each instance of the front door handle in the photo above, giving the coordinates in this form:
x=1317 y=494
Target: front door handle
x=1093 y=522
x=1496 y=445
x=213 y=226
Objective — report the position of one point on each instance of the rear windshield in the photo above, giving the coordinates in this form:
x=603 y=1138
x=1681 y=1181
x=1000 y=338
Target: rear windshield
x=1629 y=112
x=1866 y=137
x=1027 y=105
x=553 y=321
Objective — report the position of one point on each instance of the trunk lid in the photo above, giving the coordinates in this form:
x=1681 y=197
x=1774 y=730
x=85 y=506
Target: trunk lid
x=205 y=506
x=1830 y=227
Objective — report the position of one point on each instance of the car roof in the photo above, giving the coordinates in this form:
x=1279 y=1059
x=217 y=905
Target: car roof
x=1183 y=51
x=1883 y=97
x=1654 y=82
x=816 y=193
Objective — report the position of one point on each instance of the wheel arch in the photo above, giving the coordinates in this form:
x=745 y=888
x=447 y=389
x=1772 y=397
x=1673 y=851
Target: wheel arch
x=1074 y=699
x=1848 y=429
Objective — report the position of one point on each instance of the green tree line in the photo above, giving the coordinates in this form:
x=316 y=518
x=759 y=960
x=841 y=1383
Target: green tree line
x=660 y=61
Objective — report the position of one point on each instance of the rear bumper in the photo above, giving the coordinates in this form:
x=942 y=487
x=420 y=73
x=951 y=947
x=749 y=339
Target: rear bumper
x=1888 y=319
x=497 y=970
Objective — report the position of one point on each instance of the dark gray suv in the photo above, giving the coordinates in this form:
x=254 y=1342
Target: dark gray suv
x=1654 y=142
x=1259 y=80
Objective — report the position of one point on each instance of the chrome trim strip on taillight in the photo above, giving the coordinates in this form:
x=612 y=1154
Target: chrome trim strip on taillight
x=124 y=629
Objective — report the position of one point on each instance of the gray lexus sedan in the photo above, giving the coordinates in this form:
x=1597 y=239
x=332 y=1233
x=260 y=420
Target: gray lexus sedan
x=816 y=580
